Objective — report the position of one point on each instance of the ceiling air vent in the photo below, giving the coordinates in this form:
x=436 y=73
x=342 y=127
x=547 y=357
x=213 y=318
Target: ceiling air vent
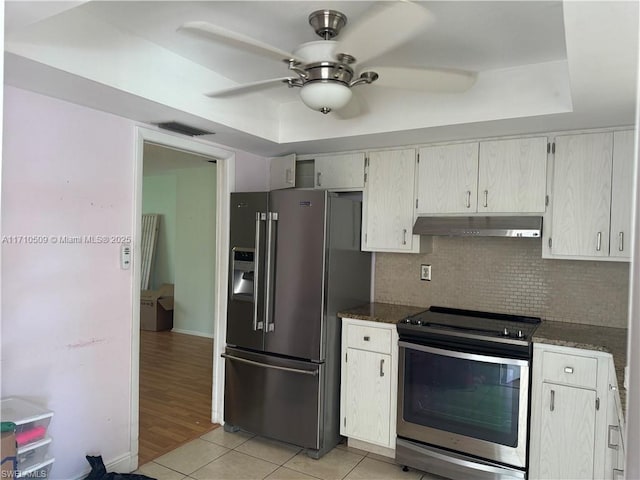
x=183 y=129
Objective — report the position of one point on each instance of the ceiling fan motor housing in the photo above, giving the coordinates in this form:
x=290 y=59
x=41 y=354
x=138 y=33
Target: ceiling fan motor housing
x=328 y=72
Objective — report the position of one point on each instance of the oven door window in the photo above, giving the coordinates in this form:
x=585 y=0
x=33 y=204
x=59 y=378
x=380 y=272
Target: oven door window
x=467 y=397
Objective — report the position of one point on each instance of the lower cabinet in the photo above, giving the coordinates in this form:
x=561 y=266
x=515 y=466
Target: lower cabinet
x=567 y=432
x=576 y=417
x=369 y=383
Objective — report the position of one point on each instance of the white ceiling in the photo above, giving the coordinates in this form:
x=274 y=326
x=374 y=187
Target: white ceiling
x=541 y=66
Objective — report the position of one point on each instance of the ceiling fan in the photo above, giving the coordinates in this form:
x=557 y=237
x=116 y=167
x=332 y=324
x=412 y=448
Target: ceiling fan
x=325 y=70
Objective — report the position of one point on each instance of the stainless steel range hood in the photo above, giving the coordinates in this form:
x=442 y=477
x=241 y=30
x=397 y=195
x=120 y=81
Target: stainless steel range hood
x=530 y=227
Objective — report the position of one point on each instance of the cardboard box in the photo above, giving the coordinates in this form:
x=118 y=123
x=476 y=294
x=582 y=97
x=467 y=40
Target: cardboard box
x=8 y=450
x=156 y=308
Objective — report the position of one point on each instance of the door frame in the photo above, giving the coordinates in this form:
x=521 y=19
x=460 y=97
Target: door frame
x=225 y=178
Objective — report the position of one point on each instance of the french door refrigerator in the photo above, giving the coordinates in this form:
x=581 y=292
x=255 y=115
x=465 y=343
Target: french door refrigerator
x=295 y=262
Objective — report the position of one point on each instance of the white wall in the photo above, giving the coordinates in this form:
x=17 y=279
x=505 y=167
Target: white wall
x=67 y=309
x=252 y=173
x=159 y=196
x=194 y=311
x=632 y=446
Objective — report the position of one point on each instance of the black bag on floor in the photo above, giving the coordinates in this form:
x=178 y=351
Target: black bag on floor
x=99 y=472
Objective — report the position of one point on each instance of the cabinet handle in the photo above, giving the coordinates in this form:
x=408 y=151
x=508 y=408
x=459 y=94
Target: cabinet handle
x=598 y=241
x=366 y=338
x=288 y=177
x=318 y=182
x=621 y=241
x=468 y=199
x=552 y=405
x=382 y=367
x=568 y=369
x=486 y=198
x=404 y=236
x=610 y=444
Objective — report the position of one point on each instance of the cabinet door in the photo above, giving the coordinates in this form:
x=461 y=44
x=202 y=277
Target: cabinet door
x=340 y=172
x=621 y=194
x=368 y=396
x=581 y=197
x=389 y=201
x=447 y=179
x=512 y=176
x=567 y=433
x=282 y=172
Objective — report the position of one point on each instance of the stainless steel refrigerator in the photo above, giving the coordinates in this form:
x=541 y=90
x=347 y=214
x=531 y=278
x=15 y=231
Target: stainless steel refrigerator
x=295 y=262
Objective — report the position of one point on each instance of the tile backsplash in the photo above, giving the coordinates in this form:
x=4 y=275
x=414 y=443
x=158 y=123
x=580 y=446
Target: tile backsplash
x=506 y=275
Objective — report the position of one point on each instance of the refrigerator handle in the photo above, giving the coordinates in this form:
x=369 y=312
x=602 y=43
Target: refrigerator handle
x=272 y=218
x=260 y=217
x=264 y=365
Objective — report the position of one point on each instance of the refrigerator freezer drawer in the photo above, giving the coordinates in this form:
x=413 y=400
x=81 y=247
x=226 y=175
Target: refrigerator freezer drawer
x=274 y=397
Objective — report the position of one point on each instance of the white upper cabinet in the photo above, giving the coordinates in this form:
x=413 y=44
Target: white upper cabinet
x=448 y=178
x=512 y=176
x=621 y=194
x=388 y=202
x=590 y=201
x=581 y=194
x=339 y=172
x=282 y=172
x=501 y=176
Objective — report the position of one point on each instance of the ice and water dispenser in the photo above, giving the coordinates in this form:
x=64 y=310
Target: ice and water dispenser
x=243 y=268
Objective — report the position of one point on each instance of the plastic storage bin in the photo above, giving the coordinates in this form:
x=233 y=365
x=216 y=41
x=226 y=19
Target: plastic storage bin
x=31 y=420
x=33 y=453
x=40 y=470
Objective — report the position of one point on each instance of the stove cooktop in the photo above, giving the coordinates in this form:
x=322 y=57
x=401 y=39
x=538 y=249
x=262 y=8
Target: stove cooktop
x=470 y=323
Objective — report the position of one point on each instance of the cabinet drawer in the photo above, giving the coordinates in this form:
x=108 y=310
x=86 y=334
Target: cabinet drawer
x=570 y=369
x=369 y=338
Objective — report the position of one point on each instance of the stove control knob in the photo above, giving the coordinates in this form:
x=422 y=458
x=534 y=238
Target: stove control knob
x=520 y=334
x=418 y=322
x=406 y=320
x=505 y=332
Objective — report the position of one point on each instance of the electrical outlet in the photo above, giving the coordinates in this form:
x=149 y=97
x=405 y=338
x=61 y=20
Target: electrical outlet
x=425 y=272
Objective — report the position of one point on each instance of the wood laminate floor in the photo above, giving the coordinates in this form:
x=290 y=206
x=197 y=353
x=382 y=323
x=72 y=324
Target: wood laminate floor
x=175 y=391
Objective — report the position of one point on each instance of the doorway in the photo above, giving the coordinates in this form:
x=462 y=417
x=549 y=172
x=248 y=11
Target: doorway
x=176 y=345
x=190 y=332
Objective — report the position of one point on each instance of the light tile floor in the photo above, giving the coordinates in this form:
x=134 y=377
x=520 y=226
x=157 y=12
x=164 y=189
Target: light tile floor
x=220 y=455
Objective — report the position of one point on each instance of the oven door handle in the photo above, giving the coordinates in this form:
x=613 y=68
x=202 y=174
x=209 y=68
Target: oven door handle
x=464 y=355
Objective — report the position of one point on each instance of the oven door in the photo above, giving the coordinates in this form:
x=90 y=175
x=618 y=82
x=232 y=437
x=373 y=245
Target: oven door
x=472 y=403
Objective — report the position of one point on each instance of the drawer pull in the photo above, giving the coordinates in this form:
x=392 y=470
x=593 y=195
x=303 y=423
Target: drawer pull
x=552 y=405
x=367 y=338
x=568 y=369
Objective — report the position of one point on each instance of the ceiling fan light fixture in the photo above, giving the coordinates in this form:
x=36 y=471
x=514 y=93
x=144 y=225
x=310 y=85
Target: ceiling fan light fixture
x=325 y=96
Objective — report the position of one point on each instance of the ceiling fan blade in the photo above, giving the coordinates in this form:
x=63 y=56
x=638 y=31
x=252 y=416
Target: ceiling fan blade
x=247 y=87
x=383 y=28
x=211 y=31
x=436 y=80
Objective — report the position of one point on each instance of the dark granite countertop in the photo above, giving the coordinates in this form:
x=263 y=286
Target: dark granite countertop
x=381 y=312
x=589 y=337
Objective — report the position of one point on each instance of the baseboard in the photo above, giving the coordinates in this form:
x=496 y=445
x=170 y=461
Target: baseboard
x=122 y=464
x=192 y=332
x=370 y=447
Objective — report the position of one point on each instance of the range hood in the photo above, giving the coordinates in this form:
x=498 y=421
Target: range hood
x=530 y=227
